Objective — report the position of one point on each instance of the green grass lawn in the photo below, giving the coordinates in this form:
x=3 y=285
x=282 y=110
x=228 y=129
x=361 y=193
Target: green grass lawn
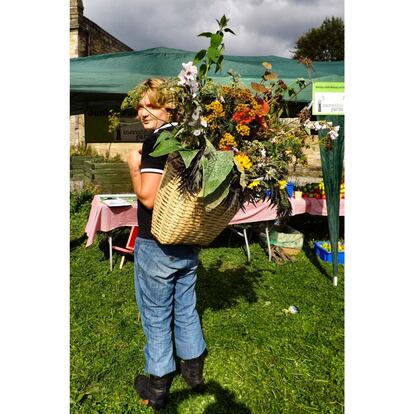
x=261 y=360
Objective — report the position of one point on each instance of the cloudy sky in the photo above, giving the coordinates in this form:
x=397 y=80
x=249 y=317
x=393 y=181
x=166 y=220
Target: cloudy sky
x=263 y=27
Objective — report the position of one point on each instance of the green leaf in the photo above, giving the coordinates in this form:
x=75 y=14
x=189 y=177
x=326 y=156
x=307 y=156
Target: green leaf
x=188 y=156
x=215 y=40
x=223 y=20
x=213 y=54
x=215 y=199
x=205 y=34
x=242 y=174
x=218 y=64
x=203 y=69
x=165 y=147
x=229 y=30
x=216 y=168
x=209 y=148
x=163 y=137
x=199 y=56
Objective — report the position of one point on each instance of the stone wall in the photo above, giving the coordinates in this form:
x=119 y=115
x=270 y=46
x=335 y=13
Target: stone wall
x=116 y=148
x=93 y=40
x=87 y=39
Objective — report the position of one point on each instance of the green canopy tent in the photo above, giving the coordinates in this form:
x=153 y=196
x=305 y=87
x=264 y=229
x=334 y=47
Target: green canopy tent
x=101 y=82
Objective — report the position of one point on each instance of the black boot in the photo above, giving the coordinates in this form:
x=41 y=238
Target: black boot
x=192 y=372
x=154 y=390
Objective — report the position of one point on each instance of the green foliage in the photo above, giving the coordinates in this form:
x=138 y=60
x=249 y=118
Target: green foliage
x=79 y=197
x=261 y=360
x=214 y=55
x=325 y=43
x=168 y=144
x=83 y=150
x=216 y=166
x=114 y=120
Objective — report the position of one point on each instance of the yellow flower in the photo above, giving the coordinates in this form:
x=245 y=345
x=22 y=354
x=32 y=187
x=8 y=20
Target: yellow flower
x=254 y=184
x=244 y=161
x=282 y=184
x=227 y=142
x=217 y=109
x=243 y=130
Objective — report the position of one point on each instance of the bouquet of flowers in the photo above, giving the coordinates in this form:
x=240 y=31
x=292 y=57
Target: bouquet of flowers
x=231 y=143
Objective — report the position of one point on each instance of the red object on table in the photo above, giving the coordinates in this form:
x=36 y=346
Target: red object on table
x=104 y=218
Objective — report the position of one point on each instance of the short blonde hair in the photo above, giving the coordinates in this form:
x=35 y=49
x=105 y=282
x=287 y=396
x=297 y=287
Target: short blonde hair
x=159 y=93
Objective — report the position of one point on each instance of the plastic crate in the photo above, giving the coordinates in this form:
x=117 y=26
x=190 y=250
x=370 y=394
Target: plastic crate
x=327 y=256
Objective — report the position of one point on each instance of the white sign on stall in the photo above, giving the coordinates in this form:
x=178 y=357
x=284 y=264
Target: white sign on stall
x=328 y=98
x=130 y=130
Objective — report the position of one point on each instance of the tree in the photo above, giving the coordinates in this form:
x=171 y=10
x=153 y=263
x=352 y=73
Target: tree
x=325 y=43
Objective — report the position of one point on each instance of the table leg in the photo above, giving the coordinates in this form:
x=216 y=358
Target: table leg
x=247 y=244
x=269 y=252
x=246 y=241
x=110 y=252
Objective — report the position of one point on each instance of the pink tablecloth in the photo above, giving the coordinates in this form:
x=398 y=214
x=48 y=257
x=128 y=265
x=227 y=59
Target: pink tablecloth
x=104 y=218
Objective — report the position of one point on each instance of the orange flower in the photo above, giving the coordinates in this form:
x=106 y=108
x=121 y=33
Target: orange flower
x=247 y=115
x=243 y=117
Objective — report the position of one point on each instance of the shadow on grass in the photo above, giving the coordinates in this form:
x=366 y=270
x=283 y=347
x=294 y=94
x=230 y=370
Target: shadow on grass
x=310 y=254
x=225 y=401
x=75 y=243
x=119 y=238
x=315 y=228
x=220 y=287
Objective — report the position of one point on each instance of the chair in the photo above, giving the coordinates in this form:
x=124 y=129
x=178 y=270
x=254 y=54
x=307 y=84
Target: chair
x=129 y=247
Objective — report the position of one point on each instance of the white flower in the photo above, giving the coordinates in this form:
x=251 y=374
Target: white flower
x=333 y=134
x=270 y=173
x=263 y=152
x=196 y=114
x=317 y=126
x=197 y=119
x=188 y=73
x=197 y=132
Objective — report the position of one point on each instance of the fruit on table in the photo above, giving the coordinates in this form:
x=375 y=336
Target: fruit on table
x=317 y=190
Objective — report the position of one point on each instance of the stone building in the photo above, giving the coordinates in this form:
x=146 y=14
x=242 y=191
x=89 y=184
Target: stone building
x=87 y=39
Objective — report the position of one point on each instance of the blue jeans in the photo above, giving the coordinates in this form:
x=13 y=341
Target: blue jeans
x=165 y=278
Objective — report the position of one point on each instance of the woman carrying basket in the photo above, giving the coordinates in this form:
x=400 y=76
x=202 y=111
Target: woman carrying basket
x=165 y=275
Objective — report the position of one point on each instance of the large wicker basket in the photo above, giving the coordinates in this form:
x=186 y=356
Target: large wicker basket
x=179 y=219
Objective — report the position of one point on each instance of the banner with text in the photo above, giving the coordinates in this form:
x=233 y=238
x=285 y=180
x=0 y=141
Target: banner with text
x=328 y=98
